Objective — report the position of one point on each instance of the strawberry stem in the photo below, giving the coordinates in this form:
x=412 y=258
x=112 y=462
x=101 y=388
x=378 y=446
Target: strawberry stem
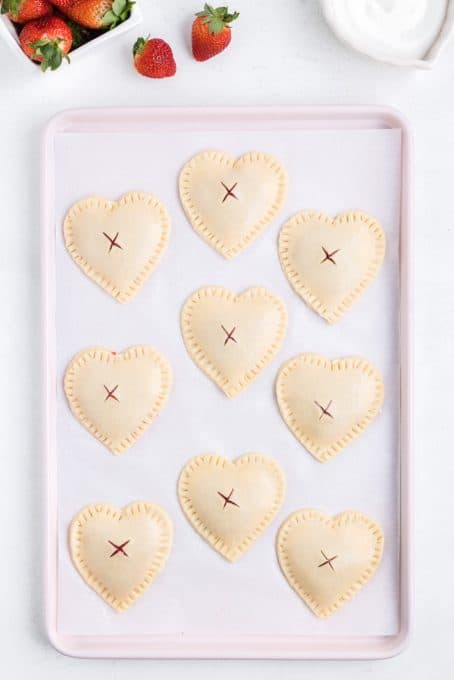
x=50 y=52
x=140 y=45
x=120 y=11
x=217 y=18
x=12 y=7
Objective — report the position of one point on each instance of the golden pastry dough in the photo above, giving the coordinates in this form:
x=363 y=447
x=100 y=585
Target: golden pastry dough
x=327 y=404
x=119 y=553
x=231 y=503
x=118 y=244
x=232 y=338
x=230 y=202
x=117 y=396
x=326 y=560
x=330 y=262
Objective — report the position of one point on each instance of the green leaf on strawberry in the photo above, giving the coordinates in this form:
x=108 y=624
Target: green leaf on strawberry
x=12 y=7
x=51 y=53
x=118 y=6
x=216 y=18
x=121 y=10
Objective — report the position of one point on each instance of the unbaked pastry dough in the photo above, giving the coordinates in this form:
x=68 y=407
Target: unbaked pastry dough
x=118 y=552
x=231 y=503
x=326 y=559
x=330 y=262
x=118 y=244
x=327 y=404
x=232 y=338
x=230 y=202
x=117 y=396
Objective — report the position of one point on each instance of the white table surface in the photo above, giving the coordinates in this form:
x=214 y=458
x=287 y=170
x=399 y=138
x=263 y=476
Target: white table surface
x=282 y=54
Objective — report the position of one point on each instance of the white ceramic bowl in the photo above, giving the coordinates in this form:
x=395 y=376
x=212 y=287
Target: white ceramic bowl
x=9 y=35
x=360 y=43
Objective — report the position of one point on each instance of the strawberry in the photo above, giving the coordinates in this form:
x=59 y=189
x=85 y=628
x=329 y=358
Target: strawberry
x=154 y=58
x=47 y=41
x=22 y=11
x=211 y=32
x=96 y=14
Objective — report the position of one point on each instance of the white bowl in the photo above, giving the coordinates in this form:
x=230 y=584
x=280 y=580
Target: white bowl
x=360 y=44
x=9 y=34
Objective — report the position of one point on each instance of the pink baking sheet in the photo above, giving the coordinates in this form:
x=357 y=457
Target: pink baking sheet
x=201 y=605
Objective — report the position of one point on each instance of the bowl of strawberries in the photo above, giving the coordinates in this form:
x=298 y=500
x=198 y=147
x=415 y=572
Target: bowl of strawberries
x=48 y=33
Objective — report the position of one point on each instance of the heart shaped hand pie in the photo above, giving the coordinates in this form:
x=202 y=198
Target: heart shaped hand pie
x=118 y=244
x=330 y=262
x=326 y=559
x=230 y=202
x=117 y=396
x=119 y=553
x=230 y=504
x=327 y=404
x=232 y=338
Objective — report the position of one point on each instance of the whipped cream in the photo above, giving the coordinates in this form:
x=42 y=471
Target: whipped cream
x=387 y=29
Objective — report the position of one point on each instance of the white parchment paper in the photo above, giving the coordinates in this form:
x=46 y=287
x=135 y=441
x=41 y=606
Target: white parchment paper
x=200 y=593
